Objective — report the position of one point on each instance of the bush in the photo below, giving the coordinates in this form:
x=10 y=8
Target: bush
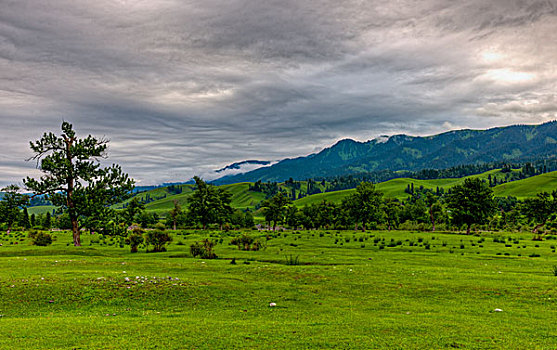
x=135 y=239
x=42 y=239
x=293 y=260
x=158 y=239
x=32 y=234
x=246 y=242
x=203 y=249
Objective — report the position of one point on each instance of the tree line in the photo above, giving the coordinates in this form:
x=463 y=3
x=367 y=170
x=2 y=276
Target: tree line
x=462 y=207
x=84 y=192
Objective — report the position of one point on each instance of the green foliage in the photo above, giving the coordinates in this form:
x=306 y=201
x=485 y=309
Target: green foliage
x=158 y=239
x=134 y=239
x=10 y=205
x=246 y=242
x=209 y=204
x=203 y=249
x=73 y=178
x=364 y=206
x=540 y=209
x=275 y=209
x=471 y=203
x=133 y=209
x=292 y=260
x=42 y=239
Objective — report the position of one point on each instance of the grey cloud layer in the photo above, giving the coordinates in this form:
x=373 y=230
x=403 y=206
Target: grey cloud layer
x=186 y=87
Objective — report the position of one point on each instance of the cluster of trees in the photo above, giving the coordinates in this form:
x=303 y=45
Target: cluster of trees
x=462 y=207
x=208 y=205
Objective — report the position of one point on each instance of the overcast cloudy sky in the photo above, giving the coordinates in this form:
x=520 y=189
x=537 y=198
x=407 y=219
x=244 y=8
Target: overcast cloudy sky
x=186 y=87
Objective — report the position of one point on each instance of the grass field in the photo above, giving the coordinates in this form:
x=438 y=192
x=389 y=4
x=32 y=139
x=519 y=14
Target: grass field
x=383 y=290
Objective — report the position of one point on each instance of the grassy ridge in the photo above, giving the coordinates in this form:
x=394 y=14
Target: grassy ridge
x=529 y=187
x=395 y=188
x=242 y=198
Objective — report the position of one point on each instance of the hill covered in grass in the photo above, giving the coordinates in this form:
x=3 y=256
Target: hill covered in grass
x=395 y=188
x=244 y=198
x=529 y=187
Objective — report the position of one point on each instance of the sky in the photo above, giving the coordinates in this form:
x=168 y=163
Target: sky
x=183 y=88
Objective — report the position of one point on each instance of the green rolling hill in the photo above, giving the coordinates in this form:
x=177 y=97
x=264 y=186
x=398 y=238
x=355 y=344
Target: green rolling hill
x=528 y=187
x=242 y=198
x=41 y=209
x=395 y=188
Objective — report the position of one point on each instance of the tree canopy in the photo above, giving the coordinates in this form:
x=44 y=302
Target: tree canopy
x=364 y=206
x=471 y=203
x=10 y=205
x=73 y=178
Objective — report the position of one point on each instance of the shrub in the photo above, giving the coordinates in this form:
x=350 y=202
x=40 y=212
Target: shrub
x=291 y=260
x=203 y=249
x=158 y=239
x=246 y=242
x=554 y=270
x=32 y=234
x=135 y=239
x=42 y=239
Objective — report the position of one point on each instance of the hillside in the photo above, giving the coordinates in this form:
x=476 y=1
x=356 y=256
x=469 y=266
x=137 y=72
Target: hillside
x=164 y=197
x=395 y=188
x=402 y=152
x=528 y=187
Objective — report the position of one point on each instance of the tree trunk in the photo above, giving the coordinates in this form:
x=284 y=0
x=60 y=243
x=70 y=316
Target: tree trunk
x=75 y=229
x=468 y=229
x=537 y=228
x=69 y=198
x=538 y=236
x=432 y=220
x=363 y=227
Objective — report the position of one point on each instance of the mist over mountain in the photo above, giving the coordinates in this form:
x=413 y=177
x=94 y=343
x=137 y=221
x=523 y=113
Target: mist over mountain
x=403 y=152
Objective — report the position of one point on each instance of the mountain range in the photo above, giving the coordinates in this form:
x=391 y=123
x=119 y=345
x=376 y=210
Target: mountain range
x=403 y=152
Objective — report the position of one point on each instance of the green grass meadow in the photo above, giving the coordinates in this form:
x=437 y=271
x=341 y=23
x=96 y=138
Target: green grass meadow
x=372 y=290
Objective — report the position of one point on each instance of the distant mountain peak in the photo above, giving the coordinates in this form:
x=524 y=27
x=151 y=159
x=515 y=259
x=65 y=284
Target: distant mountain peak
x=238 y=165
x=412 y=153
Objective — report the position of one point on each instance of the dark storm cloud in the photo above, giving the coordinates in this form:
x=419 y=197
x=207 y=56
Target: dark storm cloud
x=186 y=87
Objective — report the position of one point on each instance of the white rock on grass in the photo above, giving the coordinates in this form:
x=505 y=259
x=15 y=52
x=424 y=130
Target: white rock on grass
x=272 y=304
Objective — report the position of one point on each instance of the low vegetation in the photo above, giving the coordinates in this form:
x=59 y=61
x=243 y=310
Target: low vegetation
x=331 y=289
